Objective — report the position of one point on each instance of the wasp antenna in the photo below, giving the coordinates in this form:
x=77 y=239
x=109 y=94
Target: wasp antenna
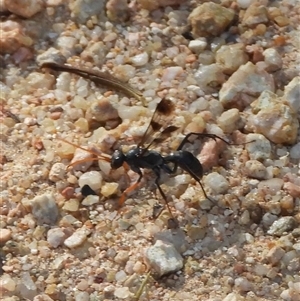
x=82 y=161
x=102 y=157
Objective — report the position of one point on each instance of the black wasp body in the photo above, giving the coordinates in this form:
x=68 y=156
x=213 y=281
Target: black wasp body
x=141 y=157
x=138 y=159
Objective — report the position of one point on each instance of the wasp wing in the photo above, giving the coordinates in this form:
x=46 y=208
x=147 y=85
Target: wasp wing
x=158 y=129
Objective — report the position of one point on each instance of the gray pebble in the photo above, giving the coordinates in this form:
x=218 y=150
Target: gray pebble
x=82 y=296
x=292 y=93
x=210 y=19
x=260 y=148
x=273 y=59
x=57 y=172
x=275 y=254
x=217 y=183
x=82 y=10
x=245 y=85
x=55 y=237
x=295 y=151
x=231 y=57
x=274 y=119
x=77 y=238
x=242 y=284
x=44 y=209
x=268 y=219
x=198 y=45
x=27 y=287
x=51 y=55
x=282 y=225
x=255 y=169
x=163 y=258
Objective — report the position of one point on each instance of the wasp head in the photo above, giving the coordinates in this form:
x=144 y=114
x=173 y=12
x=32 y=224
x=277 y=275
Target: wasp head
x=117 y=159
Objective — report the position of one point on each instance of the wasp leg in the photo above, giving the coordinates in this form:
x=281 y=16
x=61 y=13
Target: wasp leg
x=129 y=189
x=173 y=221
x=186 y=138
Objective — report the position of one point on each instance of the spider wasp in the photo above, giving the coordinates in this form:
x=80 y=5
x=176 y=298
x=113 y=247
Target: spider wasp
x=142 y=156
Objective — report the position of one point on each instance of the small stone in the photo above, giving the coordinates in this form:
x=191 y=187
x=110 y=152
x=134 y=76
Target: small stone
x=82 y=296
x=77 y=238
x=122 y=293
x=83 y=10
x=268 y=219
x=171 y=73
x=55 y=237
x=231 y=57
x=244 y=86
x=255 y=14
x=83 y=285
x=271 y=186
x=7 y=284
x=273 y=59
x=295 y=151
x=95 y=52
x=120 y=276
x=229 y=121
x=155 y=4
x=117 y=10
x=68 y=192
x=285 y=295
x=282 y=21
x=42 y=297
x=57 y=172
x=209 y=155
x=232 y=297
x=255 y=169
x=71 y=205
x=27 y=287
x=274 y=255
x=272 y=118
x=289 y=258
x=198 y=45
x=292 y=93
x=140 y=60
x=259 y=148
x=210 y=19
x=217 y=183
x=124 y=72
x=44 y=209
x=90 y=200
x=242 y=284
x=5 y=235
x=12 y=37
x=102 y=111
x=292 y=189
x=282 y=225
x=121 y=257
x=51 y=55
x=164 y=258
x=244 y=3
x=175 y=238
x=91 y=178
x=24 y=8
x=208 y=76
x=109 y=291
x=109 y=189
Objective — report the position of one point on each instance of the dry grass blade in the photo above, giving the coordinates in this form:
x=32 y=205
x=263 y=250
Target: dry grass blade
x=102 y=78
x=140 y=291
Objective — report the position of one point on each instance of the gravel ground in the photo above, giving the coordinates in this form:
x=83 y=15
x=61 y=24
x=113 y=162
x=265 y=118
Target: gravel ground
x=232 y=69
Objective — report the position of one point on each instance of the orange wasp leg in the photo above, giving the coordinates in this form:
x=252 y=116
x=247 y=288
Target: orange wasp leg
x=127 y=190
